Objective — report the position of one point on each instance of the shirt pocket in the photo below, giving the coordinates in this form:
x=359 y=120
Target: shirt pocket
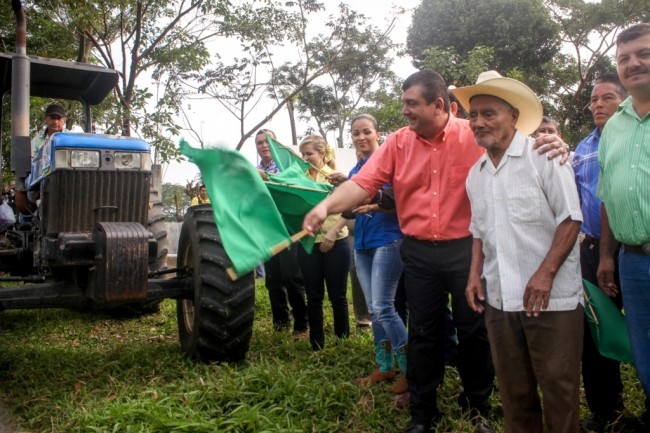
x=524 y=205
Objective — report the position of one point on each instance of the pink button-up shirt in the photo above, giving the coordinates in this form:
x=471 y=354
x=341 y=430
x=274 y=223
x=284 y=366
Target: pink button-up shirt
x=428 y=177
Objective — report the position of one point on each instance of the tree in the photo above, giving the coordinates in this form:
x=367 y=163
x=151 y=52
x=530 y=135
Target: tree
x=175 y=201
x=256 y=75
x=144 y=39
x=457 y=70
x=589 y=30
x=385 y=105
x=521 y=32
x=365 y=61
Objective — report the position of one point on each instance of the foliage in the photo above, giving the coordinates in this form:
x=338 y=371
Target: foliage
x=364 y=61
x=69 y=372
x=588 y=31
x=385 y=105
x=175 y=200
x=457 y=70
x=351 y=54
x=520 y=32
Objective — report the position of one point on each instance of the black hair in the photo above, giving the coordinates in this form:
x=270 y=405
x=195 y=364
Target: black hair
x=631 y=33
x=433 y=86
x=612 y=78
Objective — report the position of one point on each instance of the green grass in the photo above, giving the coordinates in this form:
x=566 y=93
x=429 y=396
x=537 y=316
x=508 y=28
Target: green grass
x=63 y=371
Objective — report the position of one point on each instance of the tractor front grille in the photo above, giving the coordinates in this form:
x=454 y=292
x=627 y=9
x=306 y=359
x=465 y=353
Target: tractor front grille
x=74 y=200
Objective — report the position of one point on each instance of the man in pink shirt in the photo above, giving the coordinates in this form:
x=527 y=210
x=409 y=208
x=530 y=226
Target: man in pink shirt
x=427 y=163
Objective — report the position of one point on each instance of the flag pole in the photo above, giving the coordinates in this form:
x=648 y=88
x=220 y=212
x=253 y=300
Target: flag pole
x=275 y=250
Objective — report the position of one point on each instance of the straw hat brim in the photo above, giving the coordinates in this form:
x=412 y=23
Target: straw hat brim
x=514 y=93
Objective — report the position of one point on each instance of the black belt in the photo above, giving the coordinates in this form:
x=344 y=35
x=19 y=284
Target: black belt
x=591 y=240
x=643 y=250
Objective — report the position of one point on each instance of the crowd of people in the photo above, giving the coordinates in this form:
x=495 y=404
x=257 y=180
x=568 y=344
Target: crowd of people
x=479 y=201
x=487 y=211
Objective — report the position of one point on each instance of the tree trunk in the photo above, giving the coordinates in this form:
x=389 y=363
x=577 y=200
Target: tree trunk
x=292 y=122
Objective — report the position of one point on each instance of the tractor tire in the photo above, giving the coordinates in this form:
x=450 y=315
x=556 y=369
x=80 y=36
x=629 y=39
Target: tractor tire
x=217 y=324
x=156 y=221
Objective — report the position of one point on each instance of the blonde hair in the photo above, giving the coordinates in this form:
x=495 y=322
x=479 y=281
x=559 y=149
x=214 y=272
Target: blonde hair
x=321 y=146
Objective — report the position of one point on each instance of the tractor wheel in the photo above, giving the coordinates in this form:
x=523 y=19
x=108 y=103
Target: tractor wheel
x=217 y=324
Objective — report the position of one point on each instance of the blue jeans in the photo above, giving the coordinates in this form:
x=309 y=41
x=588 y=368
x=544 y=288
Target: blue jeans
x=634 y=272
x=379 y=270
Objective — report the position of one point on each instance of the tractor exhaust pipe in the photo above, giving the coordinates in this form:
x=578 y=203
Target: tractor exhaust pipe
x=20 y=79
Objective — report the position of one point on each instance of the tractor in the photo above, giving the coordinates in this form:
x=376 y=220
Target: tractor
x=90 y=234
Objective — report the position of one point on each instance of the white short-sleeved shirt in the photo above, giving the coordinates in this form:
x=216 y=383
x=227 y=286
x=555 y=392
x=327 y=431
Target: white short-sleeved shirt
x=516 y=208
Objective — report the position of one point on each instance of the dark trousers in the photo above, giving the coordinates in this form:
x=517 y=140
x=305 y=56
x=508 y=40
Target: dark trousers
x=286 y=288
x=330 y=270
x=601 y=376
x=432 y=271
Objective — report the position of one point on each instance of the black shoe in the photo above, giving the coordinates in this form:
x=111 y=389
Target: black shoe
x=596 y=423
x=416 y=427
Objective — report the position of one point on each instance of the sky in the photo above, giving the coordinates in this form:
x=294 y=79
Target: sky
x=218 y=127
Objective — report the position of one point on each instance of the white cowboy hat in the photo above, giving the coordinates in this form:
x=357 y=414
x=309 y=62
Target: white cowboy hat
x=512 y=91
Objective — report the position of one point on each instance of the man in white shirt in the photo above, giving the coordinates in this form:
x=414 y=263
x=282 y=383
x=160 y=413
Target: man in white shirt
x=525 y=271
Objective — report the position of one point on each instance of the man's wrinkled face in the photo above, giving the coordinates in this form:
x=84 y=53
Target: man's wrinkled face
x=54 y=123
x=493 y=122
x=605 y=99
x=263 y=147
x=633 y=65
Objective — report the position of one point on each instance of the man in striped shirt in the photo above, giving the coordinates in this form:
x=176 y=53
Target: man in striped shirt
x=601 y=375
x=624 y=159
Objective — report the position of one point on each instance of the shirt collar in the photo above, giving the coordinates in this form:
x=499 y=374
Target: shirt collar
x=516 y=149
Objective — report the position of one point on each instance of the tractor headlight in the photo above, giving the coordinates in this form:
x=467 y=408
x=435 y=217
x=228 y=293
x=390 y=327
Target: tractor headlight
x=84 y=159
x=126 y=160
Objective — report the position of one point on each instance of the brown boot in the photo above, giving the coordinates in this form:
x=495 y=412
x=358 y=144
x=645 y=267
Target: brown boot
x=384 y=368
x=400 y=386
x=376 y=376
x=402 y=401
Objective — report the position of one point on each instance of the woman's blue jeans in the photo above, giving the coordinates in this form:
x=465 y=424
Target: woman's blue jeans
x=379 y=270
x=634 y=272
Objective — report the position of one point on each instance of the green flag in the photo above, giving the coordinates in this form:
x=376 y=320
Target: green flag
x=283 y=156
x=295 y=194
x=295 y=175
x=607 y=323
x=248 y=220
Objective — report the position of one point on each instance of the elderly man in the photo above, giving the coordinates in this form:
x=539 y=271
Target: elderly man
x=601 y=376
x=283 y=278
x=624 y=159
x=54 y=120
x=525 y=271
